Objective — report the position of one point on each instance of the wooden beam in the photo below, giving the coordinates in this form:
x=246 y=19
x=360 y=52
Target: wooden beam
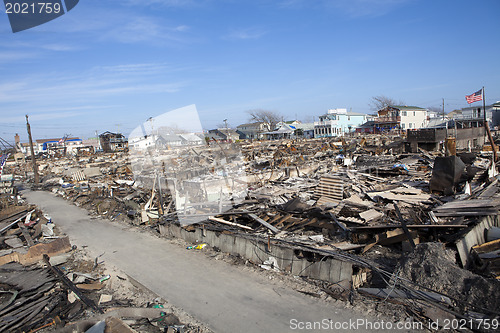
x=264 y=223
x=26 y=234
x=403 y=225
x=216 y=219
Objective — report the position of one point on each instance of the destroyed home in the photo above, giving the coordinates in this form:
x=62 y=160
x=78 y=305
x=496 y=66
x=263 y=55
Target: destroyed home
x=303 y=211
x=113 y=142
x=179 y=222
x=464 y=134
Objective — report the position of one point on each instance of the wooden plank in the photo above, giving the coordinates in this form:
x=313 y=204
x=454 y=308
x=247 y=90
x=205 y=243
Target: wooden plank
x=276 y=218
x=15 y=222
x=487 y=247
x=411 y=226
x=474 y=237
x=264 y=223
x=114 y=324
x=62 y=277
x=90 y=286
x=36 y=252
x=466 y=213
x=26 y=234
x=394 y=236
x=283 y=220
x=301 y=225
x=216 y=219
x=371 y=215
x=325 y=200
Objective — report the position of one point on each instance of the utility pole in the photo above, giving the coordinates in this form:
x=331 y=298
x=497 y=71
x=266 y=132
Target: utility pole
x=33 y=161
x=443 y=108
x=227 y=131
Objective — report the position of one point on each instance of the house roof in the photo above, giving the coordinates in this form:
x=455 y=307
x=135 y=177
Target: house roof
x=369 y=123
x=170 y=137
x=305 y=126
x=250 y=124
x=437 y=122
x=345 y=114
x=111 y=133
x=407 y=107
x=228 y=131
x=55 y=140
x=190 y=137
x=282 y=129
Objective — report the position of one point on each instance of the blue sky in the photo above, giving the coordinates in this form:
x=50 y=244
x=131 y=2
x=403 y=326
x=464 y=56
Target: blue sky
x=112 y=64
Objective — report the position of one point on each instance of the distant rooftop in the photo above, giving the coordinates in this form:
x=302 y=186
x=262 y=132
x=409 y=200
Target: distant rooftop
x=407 y=107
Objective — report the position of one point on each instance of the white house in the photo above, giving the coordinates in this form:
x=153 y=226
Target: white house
x=253 y=130
x=401 y=117
x=142 y=142
x=477 y=112
x=337 y=122
x=190 y=139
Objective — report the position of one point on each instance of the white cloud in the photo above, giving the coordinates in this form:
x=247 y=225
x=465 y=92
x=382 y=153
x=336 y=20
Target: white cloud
x=144 y=29
x=15 y=56
x=42 y=116
x=74 y=91
x=60 y=47
x=246 y=33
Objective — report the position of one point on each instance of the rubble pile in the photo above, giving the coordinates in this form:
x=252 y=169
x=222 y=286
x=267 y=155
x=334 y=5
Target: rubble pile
x=402 y=221
x=432 y=266
x=47 y=283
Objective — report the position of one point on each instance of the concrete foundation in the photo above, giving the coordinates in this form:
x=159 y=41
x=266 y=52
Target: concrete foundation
x=294 y=261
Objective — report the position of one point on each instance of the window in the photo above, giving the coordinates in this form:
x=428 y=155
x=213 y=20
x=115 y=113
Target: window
x=409 y=125
x=403 y=113
x=348 y=118
x=402 y=125
x=414 y=113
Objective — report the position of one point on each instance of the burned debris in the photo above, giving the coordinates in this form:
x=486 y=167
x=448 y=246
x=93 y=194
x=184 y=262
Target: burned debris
x=361 y=214
x=46 y=283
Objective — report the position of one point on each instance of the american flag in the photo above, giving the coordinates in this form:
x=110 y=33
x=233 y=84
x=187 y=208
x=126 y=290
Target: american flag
x=477 y=96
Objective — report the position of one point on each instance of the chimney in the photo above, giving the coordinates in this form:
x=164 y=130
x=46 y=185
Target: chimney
x=17 y=141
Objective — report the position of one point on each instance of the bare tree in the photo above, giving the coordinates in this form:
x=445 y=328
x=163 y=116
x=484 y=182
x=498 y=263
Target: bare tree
x=269 y=118
x=381 y=101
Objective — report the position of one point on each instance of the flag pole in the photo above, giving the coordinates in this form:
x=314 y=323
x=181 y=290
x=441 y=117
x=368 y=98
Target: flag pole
x=484 y=105
x=487 y=127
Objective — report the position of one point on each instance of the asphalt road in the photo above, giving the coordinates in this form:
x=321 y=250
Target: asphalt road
x=225 y=297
